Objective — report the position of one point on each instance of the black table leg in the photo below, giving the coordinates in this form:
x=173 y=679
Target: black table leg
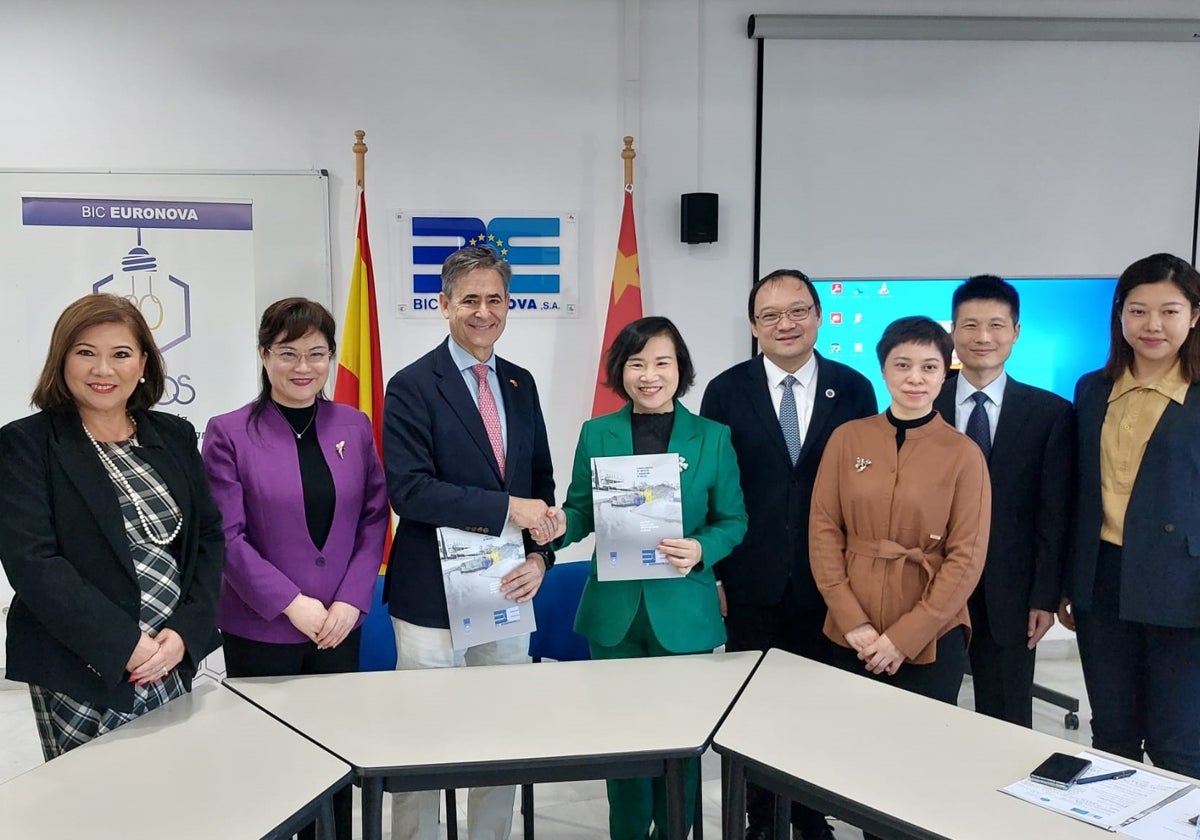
x=527 y=811
x=676 y=801
x=372 y=808
x=326 y=824
x=733 y=799
x=783 y=816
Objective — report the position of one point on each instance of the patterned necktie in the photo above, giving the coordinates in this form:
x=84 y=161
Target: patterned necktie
x=978 y=427
x=789 y=420
x=490 y=415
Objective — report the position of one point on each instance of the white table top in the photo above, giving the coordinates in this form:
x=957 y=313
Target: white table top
x=437 y=718
x=206 y=765
x=922 y=762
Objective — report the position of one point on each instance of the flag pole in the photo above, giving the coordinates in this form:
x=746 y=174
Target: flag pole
x=360 y=159
x=627 y=154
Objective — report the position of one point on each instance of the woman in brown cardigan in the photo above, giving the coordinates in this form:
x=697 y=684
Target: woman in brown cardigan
x=899 y=526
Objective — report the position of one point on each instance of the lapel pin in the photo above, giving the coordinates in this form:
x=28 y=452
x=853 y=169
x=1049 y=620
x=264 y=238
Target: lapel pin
x=512 y=382
x=830 y=393
x=682 y=463
x=861 y=464
x=340 y=446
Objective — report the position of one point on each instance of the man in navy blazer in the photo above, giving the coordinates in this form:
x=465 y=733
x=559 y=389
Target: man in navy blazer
x=1030 y=445
x=768 y=595
x=464 y=446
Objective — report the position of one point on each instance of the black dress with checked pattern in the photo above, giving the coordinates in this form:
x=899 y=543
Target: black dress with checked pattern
x=64 y=723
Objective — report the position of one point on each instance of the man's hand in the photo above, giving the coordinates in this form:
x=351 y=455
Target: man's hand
x=1066 y=614
x=530 y=515
x=1039 y=622
x=522 y=583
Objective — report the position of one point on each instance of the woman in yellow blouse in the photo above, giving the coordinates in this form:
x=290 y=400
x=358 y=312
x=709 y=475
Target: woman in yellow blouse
x=1133 y=577
x=898 y=528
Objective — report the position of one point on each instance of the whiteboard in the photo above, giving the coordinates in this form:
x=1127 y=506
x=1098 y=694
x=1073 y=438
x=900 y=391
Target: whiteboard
x=290 y=244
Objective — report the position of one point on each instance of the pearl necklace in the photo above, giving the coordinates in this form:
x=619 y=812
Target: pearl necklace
x=312 y=419
x=116 y=474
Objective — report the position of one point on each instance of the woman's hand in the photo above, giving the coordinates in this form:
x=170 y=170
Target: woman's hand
x=1066 y=614
x=683 y=554
x=862 y=637
x=146 y=648
x=882 y=656
x=307 y=615
x=559 y=520
x=168 y=652
x=339 y=621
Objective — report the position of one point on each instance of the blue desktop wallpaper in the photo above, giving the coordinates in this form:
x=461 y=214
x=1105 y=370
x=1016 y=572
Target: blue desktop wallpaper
x=1064 y=324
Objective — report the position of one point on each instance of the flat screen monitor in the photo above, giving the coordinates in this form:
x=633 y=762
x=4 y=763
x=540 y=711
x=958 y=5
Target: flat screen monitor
x=1064 y=324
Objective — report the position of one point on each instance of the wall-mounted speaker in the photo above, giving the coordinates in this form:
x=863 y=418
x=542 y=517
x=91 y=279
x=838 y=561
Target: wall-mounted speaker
x=698 y=218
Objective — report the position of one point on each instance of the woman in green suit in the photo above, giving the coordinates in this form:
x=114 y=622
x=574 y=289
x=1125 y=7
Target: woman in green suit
x=649 y=366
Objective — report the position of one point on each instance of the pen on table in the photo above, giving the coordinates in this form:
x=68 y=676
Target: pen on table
x=1104 y=777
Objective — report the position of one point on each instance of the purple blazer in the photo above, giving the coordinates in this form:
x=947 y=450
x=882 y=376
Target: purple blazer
x=270 y=558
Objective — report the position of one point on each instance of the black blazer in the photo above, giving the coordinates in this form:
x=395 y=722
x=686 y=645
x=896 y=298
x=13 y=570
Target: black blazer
x=1160 y=572
x=74 y=621
x=777 y=494
x=1032 y=468
x=441 y=471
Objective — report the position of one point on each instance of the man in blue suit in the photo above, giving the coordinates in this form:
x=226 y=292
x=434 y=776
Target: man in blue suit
x=781 y=408
x=1028 y=436
x=464 y=446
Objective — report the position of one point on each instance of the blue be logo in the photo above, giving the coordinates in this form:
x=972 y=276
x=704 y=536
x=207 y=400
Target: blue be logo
x=536 y=266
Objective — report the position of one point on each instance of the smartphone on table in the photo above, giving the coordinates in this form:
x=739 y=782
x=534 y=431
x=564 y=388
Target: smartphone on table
x=1060 y=770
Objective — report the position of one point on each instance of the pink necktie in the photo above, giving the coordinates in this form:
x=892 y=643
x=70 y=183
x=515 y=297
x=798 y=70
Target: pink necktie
x=491 y=417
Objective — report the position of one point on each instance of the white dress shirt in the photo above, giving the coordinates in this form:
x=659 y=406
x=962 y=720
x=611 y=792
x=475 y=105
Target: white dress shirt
x=805 y=389
x=964 y=404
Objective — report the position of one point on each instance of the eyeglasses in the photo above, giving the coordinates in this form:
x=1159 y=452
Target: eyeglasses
x=290 y=357
x=796 y=314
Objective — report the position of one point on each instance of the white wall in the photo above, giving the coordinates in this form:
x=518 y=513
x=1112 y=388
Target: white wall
x=514 y=104
x=465 y=103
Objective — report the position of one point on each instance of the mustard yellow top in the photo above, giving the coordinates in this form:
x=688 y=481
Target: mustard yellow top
x=1133 y=412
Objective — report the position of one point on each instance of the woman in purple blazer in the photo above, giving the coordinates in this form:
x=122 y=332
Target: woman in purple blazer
x=301 y=490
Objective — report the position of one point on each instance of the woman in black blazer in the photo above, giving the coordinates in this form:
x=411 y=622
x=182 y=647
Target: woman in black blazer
x=1133 y=580
x=108 y=535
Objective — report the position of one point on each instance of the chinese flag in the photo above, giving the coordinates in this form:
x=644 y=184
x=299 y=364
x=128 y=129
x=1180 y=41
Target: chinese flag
x=360 y=372
x=624 y=304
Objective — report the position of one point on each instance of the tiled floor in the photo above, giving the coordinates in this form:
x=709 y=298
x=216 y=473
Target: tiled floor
x=579 y=810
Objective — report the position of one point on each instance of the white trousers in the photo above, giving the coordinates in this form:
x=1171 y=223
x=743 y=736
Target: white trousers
x=489 y=810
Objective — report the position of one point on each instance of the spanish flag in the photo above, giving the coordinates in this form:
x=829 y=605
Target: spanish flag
x=624 y=303
x=360 y=371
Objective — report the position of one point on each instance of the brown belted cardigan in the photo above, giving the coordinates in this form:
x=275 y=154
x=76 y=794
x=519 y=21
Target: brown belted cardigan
x=897 y=539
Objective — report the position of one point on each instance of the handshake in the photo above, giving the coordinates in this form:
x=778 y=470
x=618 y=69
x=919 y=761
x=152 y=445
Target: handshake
x=544 y=523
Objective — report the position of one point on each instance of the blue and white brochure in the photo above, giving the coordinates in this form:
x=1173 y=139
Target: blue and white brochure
x=636 y=503
x=472 y=567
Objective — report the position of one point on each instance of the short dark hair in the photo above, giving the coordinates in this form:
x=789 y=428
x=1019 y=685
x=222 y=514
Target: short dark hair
x=287 y=320
x=1156 y=268
x=779 y=274
x=52 y=393
x=986 y=287
x=465 y=260
x=919 y=330
x=632 y=339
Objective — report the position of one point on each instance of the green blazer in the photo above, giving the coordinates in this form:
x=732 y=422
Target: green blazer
x=684 y=613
